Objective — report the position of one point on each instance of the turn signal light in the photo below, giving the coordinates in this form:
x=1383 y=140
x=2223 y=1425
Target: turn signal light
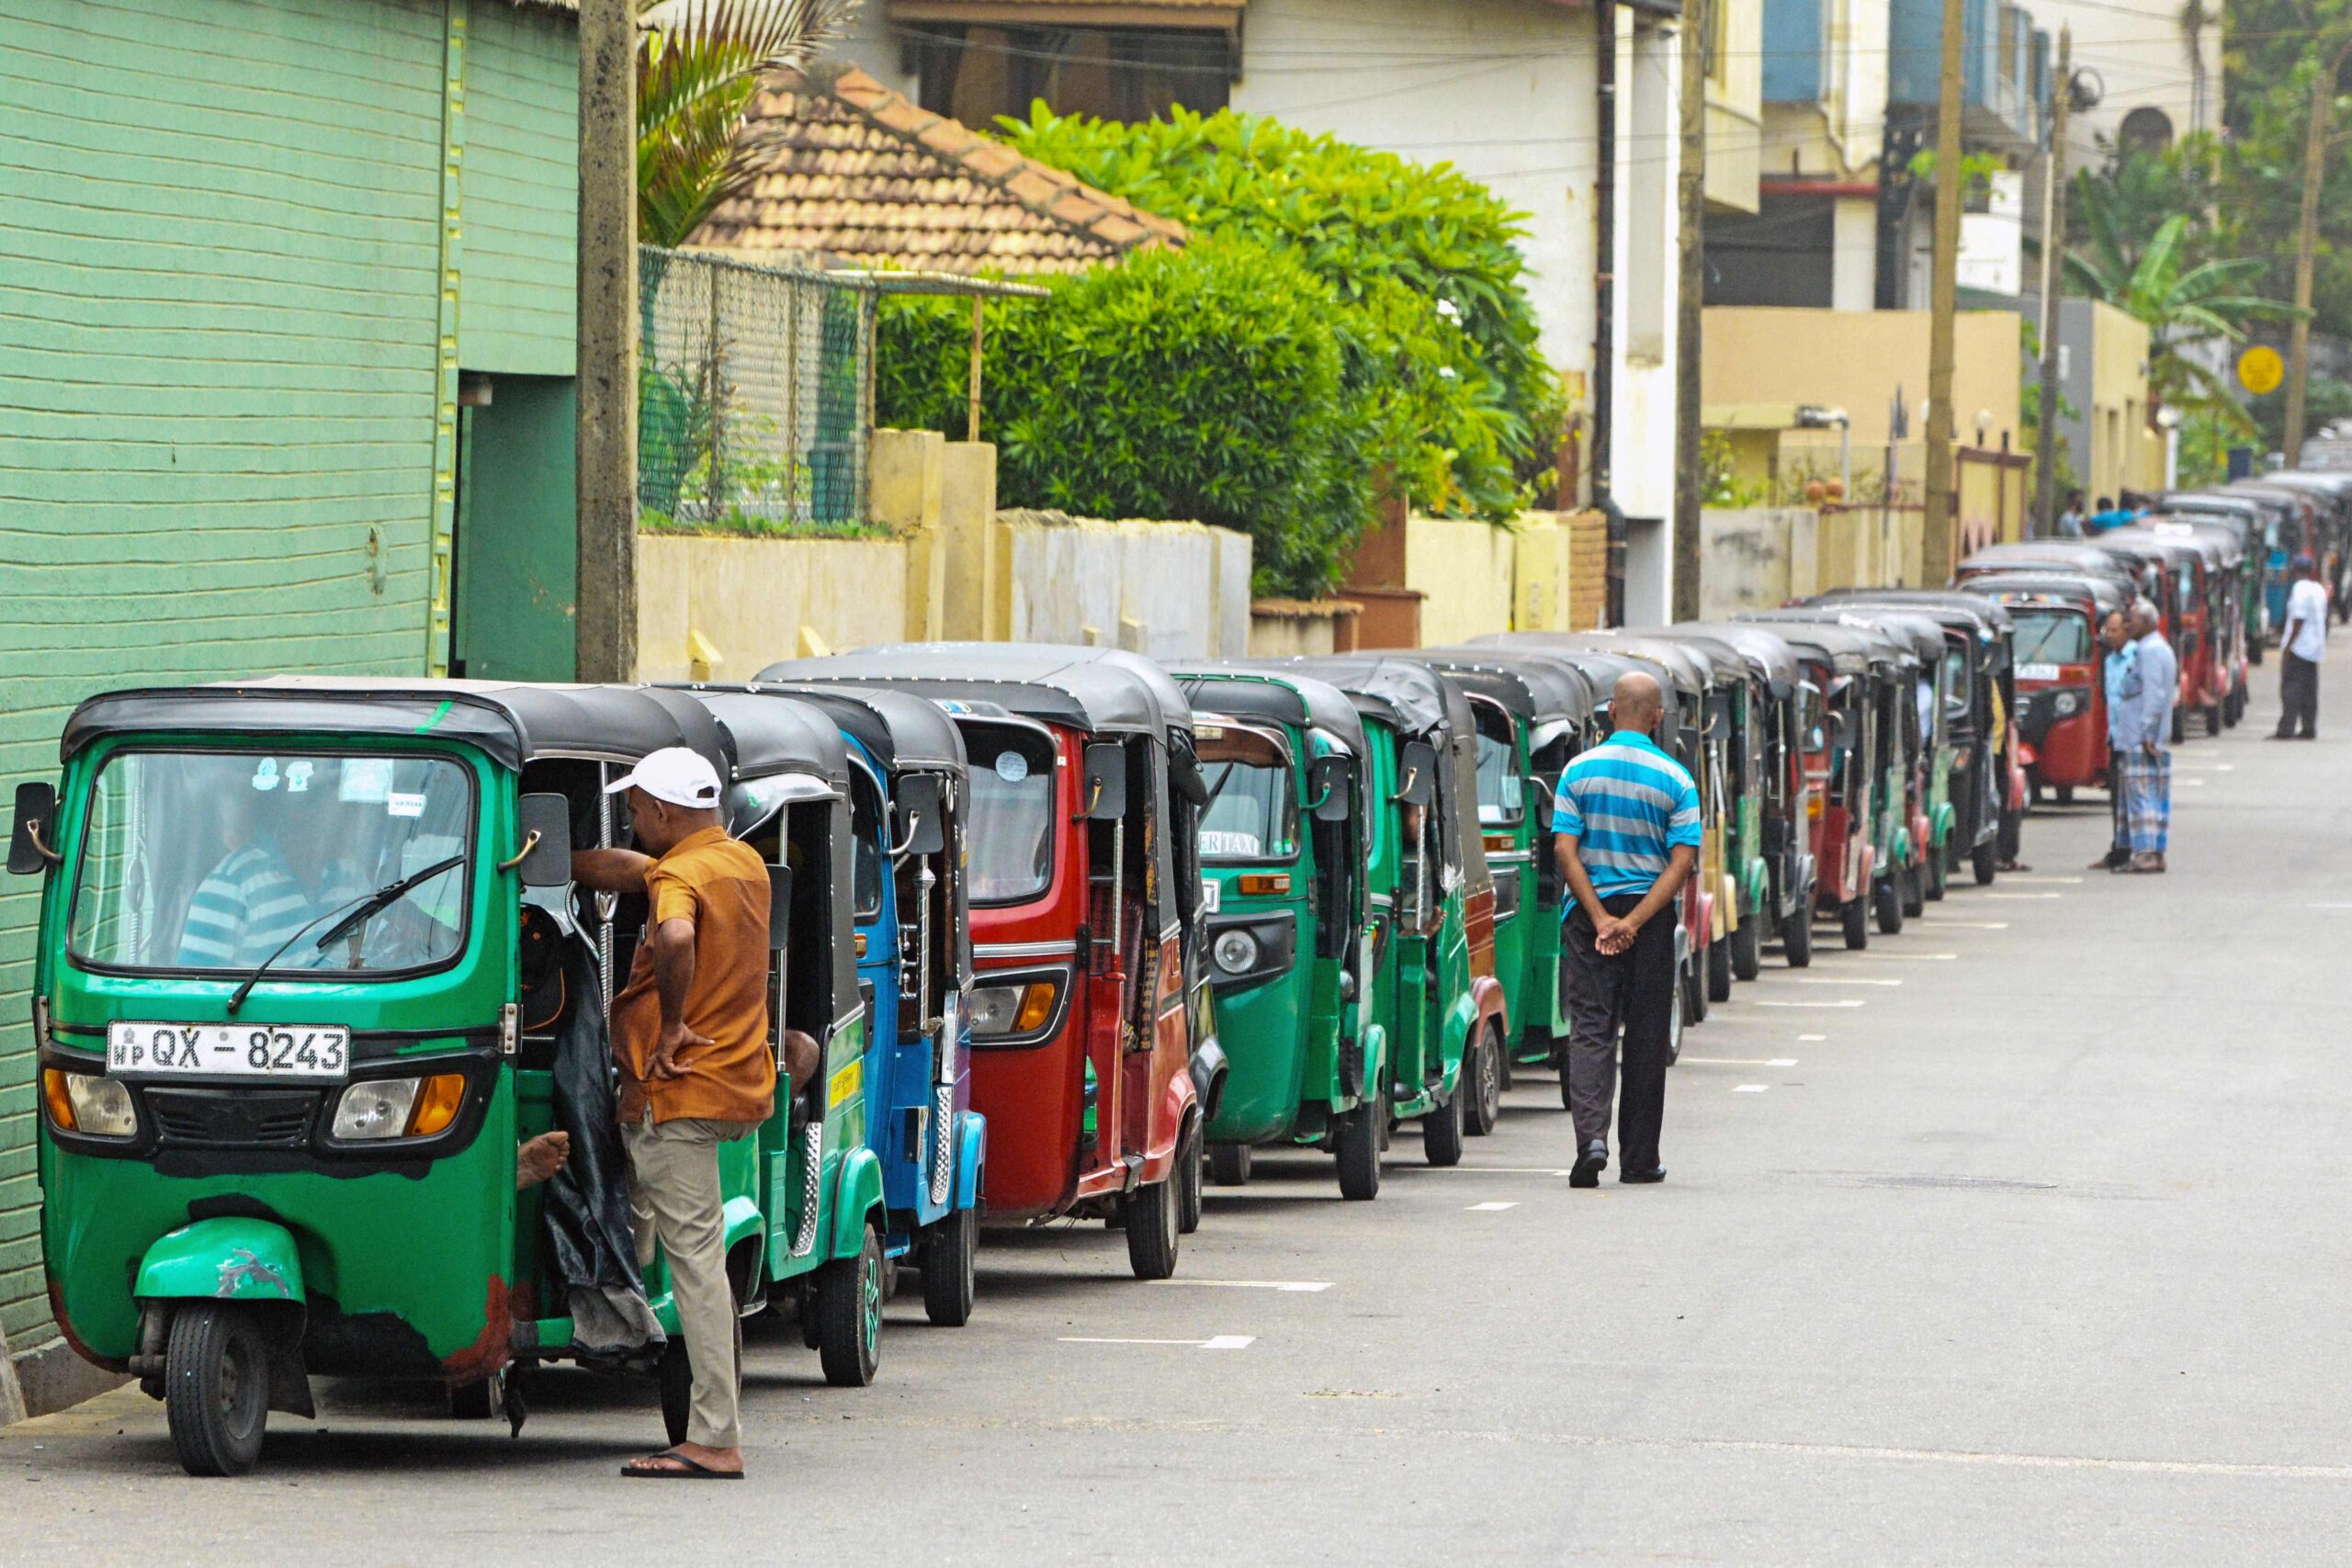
x=1266 y=883
x=60 y=1103
x=1812 y=809
x=1036 y=1006
x=438 y=1103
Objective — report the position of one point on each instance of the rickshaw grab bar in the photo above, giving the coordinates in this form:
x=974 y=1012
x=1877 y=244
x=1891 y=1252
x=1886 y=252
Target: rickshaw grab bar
x=530 y=842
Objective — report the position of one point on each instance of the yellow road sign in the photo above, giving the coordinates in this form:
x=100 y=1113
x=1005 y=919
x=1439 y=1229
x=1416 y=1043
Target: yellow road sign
x=2260 y=369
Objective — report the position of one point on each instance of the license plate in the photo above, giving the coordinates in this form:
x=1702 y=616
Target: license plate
x=1212 y=894
x=228 y=1051
x=2037 y=672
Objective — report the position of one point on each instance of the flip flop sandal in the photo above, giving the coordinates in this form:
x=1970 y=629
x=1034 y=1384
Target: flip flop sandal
x=648 y=1469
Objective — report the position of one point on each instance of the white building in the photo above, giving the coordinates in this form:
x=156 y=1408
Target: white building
x=1507 y=91
x=2158 y=67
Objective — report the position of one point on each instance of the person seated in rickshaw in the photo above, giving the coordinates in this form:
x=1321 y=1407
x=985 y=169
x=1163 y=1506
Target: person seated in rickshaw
x=260 y=895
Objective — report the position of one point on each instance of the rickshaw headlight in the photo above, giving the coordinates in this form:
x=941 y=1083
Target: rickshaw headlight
x=1023 y=1008
x=2067 y=703
x=1236 y=952
x=377 y=1108
x=86 y=1103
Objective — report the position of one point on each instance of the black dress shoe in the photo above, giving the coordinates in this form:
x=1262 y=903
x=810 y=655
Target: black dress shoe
x=1590 y=1165
x=1635 y=1177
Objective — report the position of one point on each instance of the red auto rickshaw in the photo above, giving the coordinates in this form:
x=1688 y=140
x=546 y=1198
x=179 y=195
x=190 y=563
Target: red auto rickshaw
x=2062 y=693
x=1092 y=1057
x=1841 y=784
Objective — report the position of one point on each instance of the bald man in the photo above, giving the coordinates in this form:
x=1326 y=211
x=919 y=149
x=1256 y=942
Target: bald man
x=1626 y=830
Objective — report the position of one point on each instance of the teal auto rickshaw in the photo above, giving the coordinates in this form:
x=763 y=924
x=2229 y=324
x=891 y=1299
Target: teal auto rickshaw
x=310 y=968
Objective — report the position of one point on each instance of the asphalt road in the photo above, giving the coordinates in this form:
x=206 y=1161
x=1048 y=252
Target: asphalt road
x=2019 y=1239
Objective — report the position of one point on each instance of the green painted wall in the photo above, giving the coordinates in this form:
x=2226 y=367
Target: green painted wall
x=219 y=255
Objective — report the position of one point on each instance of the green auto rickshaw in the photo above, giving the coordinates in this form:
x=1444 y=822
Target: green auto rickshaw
x=312 y=968
x=1286 y=839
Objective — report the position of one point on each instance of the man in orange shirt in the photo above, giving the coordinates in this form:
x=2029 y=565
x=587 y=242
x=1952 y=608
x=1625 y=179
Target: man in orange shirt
x=690 y=1038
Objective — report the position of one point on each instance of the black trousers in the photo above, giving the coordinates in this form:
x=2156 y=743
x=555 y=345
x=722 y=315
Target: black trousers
x=2297 y=695
x=1633 y=990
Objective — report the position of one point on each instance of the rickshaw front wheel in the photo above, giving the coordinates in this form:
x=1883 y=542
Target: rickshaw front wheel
x=1983 y=863
x=947 y=1256
x=1188 y=1180
x=1482 y=1083
x=1914 y=890
x=1229 y=1164
x=1796 y=935
x=849 y=1316
x=1719 y=973
x=1856 y=918
x=1939 y=872
x=1442 y=1130
x=1890 y=902
x=215 y=1384
x=1358 y=1147
x=1747 y=948
x=1153 y=1231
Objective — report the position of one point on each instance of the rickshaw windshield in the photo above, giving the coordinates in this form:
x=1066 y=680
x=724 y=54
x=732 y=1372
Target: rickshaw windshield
x=213 y=859
x=1956 y=692
x=1503 y=788
x=1252 y=814
x=2050 y=636
x=1011 y=829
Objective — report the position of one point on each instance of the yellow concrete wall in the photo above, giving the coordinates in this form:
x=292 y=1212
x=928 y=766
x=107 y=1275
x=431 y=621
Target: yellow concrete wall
x=1465 y=568
x=966 y=512
x=907 y=478
x=1541 y=573
x=1734 y=107
x=2118 y=411
x=1756 y=558
x=1169 y=589
x=756 y=601
x=1285 y=628
x=1855 y=360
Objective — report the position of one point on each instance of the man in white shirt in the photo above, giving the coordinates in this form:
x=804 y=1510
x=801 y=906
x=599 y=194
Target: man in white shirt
x=2301 y=644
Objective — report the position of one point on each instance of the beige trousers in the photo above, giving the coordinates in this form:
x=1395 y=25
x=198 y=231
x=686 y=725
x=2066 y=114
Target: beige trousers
x=674 y=1196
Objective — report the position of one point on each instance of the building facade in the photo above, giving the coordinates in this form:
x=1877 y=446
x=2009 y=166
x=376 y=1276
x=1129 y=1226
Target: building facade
x=289 y=356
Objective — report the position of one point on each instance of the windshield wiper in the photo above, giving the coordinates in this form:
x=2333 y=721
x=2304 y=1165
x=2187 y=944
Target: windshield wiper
x=369 y=906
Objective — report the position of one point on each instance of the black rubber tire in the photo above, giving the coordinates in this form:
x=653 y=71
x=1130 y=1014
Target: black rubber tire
x=1694 y=991
x=216 y=1387
x=1357 y=1143
x=1888 y=897
x=1984 y=864
x=1441 y=1131
x=1913 y=882
x=948 y=1264
x=1747 y=948
x=474 y=1401
x=1796 y=937
x=2213 y=725
x=2179 y=725
x=1856 y=918
x=1719 y=970
x=849 y=1316
x=1502 y=1060
x=1676 y=1023
x=1229 y=1164
x=1153 y=1234
x=1188 y=1178
x=1938 y=874
x=1482 y=1081
x=2010 y=836
x=2066 y=794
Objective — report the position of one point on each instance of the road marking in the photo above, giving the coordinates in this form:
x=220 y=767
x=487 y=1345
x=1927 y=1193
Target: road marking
x=1803 y=1039
x=1488 y=1208
x=1749 y=1089
x=2019 y=876
x=1843 y=980
x=1254 y=1285
x=1220 y=1342
x=1910 y=957
x=1493 y=1170
x=2192 y=784
x=1745 y=1061
x=1971 y=925
x=1840 y=1002
x=2328 y=906
x=2025 y=895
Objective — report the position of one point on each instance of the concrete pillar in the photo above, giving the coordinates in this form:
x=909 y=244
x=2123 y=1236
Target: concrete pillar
x=908 y=480
x=605 y=630
x=967 y=511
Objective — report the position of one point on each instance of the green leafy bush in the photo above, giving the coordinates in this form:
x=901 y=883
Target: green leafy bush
x=1221 y=383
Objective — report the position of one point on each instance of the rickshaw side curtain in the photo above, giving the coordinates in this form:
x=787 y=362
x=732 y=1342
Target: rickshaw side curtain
x=589 y=1228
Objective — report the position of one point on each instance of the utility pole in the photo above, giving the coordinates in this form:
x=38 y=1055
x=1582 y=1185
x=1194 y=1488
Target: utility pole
x=605 y=626
x=1691 y=188
x=1935 y=550
x=2053 y=277
x=2299 y=339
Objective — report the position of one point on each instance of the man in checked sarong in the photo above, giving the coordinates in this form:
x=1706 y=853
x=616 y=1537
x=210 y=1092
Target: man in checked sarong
x=2146 y=762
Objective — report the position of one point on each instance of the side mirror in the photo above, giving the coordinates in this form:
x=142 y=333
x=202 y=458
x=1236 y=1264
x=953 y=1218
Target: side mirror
x=779 y=906
x=1417 y=764
x=545 y=824
x=922 y=816
x=30 y=841
x=1332 y=783
x=1104 y=790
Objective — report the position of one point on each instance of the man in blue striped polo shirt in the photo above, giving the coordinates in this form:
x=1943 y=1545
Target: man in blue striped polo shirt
x=1626 y=820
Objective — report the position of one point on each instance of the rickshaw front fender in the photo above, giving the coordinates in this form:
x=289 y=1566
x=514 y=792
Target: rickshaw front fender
x=1208 y=1070
x=1943 y=820
x=971 y=1151
x=857 y=1196
x=229 y=1259
x=744 y=1223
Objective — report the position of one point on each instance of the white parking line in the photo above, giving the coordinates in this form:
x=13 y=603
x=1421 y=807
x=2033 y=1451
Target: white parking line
x=1908 y=957
x=1488 y=1208
x=2021 y=876
x=1844 y=980
x=1749 y=1087
x=1803 y=1038
x=1254 y=1285
x=1217 y=1342
x=1840 y=1002
x=1492 y=1169
x=1971 y=925
x=2025 y=895
x=1743 y=1061
x=2192 y=784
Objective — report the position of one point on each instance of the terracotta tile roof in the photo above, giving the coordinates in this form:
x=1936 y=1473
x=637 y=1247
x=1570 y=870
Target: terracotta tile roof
x=851 y=171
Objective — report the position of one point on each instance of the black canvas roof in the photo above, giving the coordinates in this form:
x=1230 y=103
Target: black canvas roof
x=1286 y=696
x=767 y=734
x=1849 y=649
x=1918 y=634
x=1101 y=690
x=900 y=728
x=2057 y=555
x=1768 y=653
x=2106 y=592
x=1690 y=669
x=512 y=722
x=1539 y=691
x=1954 y=607
x=1412 y=697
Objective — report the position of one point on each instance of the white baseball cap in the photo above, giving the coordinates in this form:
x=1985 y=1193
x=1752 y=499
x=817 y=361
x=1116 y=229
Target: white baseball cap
x=680 y=776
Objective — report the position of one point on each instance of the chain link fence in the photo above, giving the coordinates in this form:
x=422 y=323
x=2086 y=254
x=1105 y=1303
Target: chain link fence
x=755 y=395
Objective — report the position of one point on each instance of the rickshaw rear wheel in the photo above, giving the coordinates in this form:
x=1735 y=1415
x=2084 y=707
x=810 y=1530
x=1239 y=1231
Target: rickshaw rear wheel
x=677 y=1373
x=1719 y=970
x=1676 y=1022
x=1856 y=918
x=1358 y=1147
x=1188 y=1180
x=216 y=1388
x=2179 y=725
x=1441 y=1131
x=1939 y=872
x=849 y=1316
x=2213 y=718
x=1747 y=948
x=1913 y=880
x=1694 y=991
x=1229 y=1164
x=1796 y=936
x=1890 y=901
x=1482 y=1077
x=1983 y=863
x=947 y=1255
x=2066 y=794
x=1152 y=1230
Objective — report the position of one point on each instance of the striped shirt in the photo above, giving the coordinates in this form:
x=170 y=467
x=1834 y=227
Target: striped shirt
x=242 y=913
x=1629 y=805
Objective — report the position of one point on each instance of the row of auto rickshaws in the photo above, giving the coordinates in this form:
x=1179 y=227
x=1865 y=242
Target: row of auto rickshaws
x=1070 y=929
